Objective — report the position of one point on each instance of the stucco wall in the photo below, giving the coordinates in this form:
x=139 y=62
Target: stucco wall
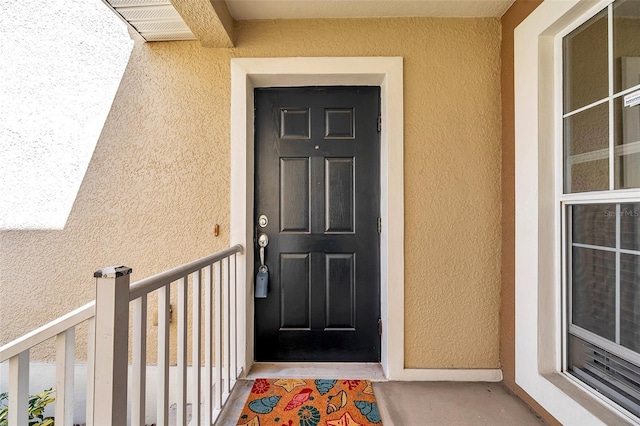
x=159 y=178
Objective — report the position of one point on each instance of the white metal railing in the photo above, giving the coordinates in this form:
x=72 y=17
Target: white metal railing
x=212 y=305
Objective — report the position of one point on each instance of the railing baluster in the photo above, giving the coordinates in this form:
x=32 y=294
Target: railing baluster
x=225 y=312
x=208 y=345
x=19 y=389
x=91 y=346
x=217 y=337
x=182 y=353
x=195 y=349
x=164 y=295
x=139 y=359
x=65 y=363
x=234 y=322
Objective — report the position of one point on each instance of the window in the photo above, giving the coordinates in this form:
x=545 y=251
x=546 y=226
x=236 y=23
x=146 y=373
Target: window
x=601 y=202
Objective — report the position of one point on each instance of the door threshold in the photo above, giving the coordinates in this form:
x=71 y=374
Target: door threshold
x=317 y=370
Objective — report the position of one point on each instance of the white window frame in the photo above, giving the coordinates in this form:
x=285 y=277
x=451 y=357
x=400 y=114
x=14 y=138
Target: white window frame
x=611 y=346
x=540 y=301
x=610 y=196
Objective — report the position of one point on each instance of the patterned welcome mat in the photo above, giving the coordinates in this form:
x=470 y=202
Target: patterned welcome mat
x=293 y=402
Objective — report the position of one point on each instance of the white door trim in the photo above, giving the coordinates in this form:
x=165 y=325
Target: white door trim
x=386 y=72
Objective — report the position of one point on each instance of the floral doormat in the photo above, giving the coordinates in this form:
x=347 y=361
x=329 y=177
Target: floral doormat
x=308 y=402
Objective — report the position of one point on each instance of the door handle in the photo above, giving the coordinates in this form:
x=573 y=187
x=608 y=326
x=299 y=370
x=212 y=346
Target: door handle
x=263 y=241
x=262 y=278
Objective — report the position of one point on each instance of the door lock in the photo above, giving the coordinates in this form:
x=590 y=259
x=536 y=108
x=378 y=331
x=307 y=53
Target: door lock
x=263 y=221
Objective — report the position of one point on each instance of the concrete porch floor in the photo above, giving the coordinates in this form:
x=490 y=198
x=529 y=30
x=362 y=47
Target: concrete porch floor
x=413 y=403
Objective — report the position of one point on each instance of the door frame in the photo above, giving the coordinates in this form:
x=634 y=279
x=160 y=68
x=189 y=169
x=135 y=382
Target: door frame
x=386 y=72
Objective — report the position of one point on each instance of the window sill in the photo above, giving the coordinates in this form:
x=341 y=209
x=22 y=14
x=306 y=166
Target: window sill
x=571 y=402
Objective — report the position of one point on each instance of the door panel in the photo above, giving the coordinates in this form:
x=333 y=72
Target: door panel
x=317 y=179
x=294 y=195
x=340 y=195
x=341 y=291
x=295 y=286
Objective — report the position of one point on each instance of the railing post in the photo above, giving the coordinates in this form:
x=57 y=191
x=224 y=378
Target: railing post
x=111 y=346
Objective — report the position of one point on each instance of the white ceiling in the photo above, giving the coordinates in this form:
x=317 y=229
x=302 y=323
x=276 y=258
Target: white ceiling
x=158 y=20
x=292 y=9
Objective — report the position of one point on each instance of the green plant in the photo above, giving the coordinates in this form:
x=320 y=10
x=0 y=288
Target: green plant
x=37 y=405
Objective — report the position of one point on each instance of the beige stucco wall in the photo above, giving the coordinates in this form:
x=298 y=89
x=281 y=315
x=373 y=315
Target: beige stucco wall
x=159 y=178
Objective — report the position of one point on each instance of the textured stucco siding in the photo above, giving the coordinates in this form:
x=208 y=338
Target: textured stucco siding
x=159 y=177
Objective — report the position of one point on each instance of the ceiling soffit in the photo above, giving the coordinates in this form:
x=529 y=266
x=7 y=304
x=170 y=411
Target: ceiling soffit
x=305 y=9
x=159 y=20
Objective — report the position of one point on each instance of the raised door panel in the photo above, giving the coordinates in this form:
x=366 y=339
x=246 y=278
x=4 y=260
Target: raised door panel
x=340 y=195
x=341 y=291
x=295 y=195
x=295 y=281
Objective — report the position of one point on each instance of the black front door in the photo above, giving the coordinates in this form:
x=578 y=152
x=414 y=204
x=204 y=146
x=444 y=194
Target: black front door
x=317 y=198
